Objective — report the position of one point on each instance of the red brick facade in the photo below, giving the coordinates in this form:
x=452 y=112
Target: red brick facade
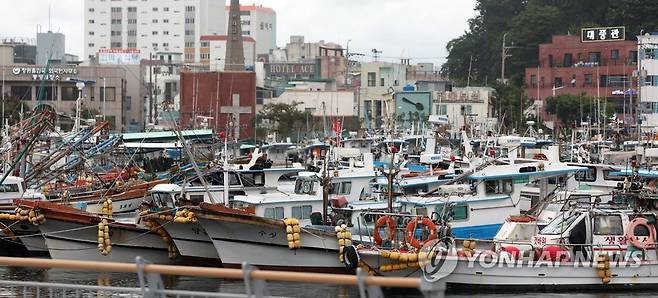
x=212 y=94
x=581 y=66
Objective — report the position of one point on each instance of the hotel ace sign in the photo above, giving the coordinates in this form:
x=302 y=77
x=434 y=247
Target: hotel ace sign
x=287 y=69
x=39 y=73
x=603 y=34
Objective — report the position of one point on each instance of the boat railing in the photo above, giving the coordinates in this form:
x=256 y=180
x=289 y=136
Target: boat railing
x=151 y=285
x=366 y=232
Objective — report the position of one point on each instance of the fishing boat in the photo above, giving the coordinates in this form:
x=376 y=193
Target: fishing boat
x=73 y=234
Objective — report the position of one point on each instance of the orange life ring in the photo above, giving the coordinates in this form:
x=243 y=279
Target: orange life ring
x=411 y=227
x=385 y=220
x=635 y=240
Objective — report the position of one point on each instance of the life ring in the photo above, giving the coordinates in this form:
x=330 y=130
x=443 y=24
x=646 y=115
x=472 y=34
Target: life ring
x=411 y=227
x=385 y=220
x=635 y=240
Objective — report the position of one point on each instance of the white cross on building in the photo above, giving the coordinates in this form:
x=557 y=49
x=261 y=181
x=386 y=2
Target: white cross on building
x=235 y=110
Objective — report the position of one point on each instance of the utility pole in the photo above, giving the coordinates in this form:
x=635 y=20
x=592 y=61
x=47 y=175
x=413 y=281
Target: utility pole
x=155 y=97
x=347 y=57
x=503 y=55
x=150 y=87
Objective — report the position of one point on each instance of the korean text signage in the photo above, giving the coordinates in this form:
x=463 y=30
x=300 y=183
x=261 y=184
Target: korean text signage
x=118 y=56
x=603 y=34
x=291 y=68
x=39 y=73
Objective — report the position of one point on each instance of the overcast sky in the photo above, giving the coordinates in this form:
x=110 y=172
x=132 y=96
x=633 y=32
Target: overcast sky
x=418 y=29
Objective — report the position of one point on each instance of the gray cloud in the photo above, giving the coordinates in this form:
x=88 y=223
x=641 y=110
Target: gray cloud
x=418 y=29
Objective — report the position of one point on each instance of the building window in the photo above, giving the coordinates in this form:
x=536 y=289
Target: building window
x=91 y=32
x=245 y=12
x=533 y=80
x=442 y=109
x=115 y=44
x=189 y=32
x=189 y=8
x=115 y=9
x=132 y=32
x=568 y=60
x=154 y=45
x=395 y=83
x=91 y=21
x=155 y=9
x=69 y=93
x=466 y=110
x=132 y=21
x=91 y=45
x=205 y=44
x=557 y=82
x=205 y=56
x=91 y=9
x=154 y=32
x=372 y=79
x=165 y=44
x=132 y=45
x=165 y=9
x=189 y=44
x=166 y=21
x=588 y=79
x=132 y=9
x=551 y=63
x=246 y=32
x=189 y=21
x=165 y=32
x=632 y=56
x=595 y=57
x=614 y=54
x=155 y=21
x=115 y=33
x=108 y=93
x=116 y=21
x=21 y=92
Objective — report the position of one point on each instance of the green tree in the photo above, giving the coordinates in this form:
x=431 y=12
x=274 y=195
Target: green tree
x=572 y=109
x=284 y=119
x=510 y=104
x=13 y=107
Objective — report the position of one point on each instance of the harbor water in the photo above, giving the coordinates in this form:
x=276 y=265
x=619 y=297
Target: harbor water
x=275 y=288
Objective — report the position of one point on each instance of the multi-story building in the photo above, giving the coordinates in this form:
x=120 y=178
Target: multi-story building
x=25 y=49
x=379 y=81
x=648 y=70
x=151 y=26
x=465 y=105
x=51 y=46
x=213 y=51
x=569 y=66
x=259 y=23
x=109 y=92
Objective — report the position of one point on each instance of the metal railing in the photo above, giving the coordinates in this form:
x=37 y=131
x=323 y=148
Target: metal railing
x=151 y=285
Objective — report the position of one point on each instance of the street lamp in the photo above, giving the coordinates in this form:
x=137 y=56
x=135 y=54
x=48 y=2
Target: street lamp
x=79 y=85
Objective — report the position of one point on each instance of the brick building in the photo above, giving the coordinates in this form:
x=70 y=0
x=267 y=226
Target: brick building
x=569 y=66
x=214 y=99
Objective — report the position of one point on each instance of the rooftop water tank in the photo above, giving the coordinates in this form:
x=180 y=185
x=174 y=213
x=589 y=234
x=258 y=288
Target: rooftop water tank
x=408 y=87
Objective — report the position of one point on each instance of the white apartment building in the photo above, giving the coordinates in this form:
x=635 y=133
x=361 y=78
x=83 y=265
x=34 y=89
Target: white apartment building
x=213 y=51
x=151 y=25
x=258 y=22
x=648 y=65
x=378 y=82
x=470 y=104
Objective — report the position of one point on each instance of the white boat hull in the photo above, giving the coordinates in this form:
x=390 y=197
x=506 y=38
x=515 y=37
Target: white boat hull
x=267 y=247
x=67 y=240
x=193 y=243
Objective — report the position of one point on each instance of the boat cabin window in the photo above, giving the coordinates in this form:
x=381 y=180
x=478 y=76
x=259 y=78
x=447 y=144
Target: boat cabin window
x=9 y=187
x=459 y=212
x=586 y=175
x=341 y=188
x=253 y=179
x=576 y=199
x=607 y=176
x=163 y=199
x=217 y=178
x=608 y=225
x=302 y=212
x=559 y=224
x=196 y=199
x=559 y=180
x=305 y=186
x=499 y=186
x=274 y=212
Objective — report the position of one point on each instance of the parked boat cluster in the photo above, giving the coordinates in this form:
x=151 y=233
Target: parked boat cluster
x=391 y=205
